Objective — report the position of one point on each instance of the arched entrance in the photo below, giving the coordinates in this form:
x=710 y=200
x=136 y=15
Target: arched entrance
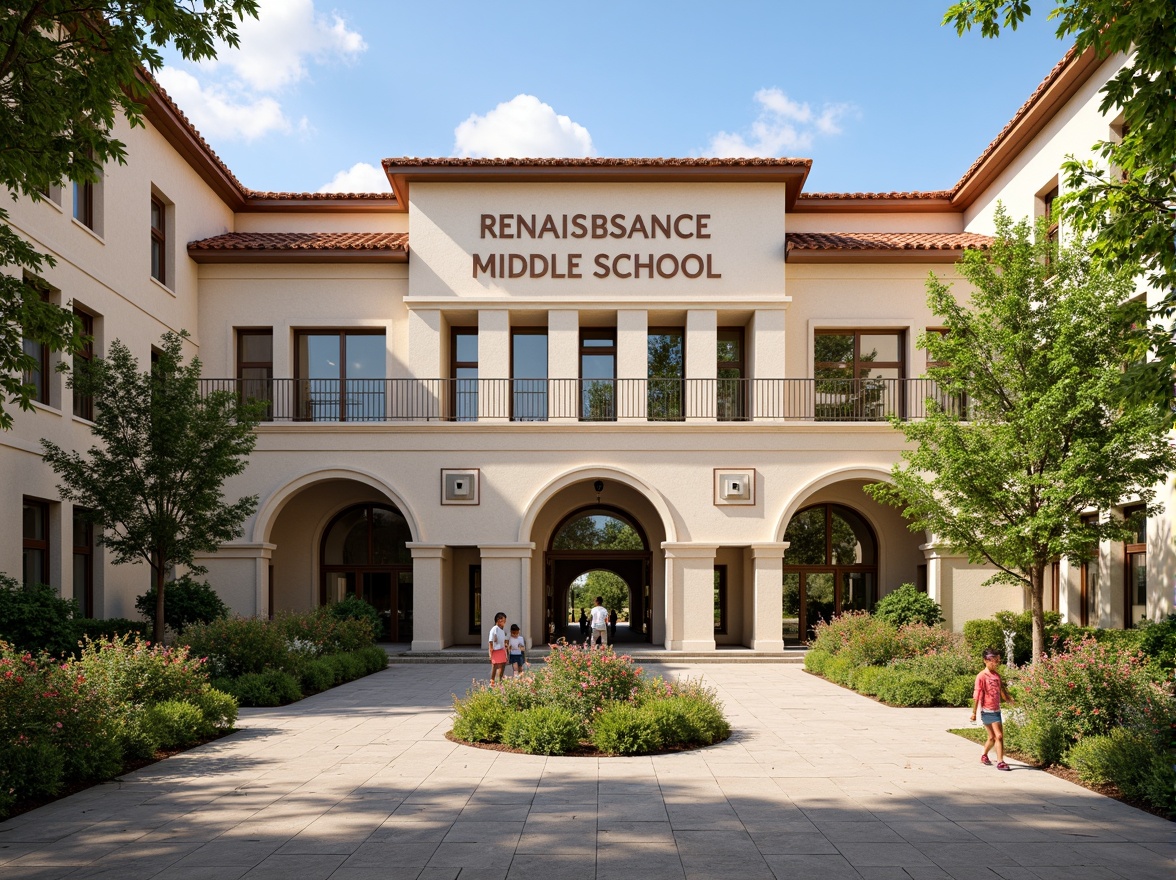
x=605 y=539
x=831 y=566
x=363 y=554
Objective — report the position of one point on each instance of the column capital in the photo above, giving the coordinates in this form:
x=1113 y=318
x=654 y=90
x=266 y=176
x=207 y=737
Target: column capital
x=427 y=551
x=507 y=551
x=689 y=550
x=770 y=549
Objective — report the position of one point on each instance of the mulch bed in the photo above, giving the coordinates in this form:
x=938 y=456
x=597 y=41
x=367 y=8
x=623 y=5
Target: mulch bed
x=586 y=750
x=1106 y=790
x=27 y=804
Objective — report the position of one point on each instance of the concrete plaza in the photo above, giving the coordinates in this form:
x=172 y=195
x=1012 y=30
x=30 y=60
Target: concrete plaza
x=360 y=783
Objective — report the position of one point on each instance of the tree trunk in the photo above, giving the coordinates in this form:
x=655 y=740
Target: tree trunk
x=157 y=635
x=1037 y=607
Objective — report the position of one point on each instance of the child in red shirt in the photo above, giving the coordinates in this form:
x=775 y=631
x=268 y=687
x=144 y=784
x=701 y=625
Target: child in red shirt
x=989 y=691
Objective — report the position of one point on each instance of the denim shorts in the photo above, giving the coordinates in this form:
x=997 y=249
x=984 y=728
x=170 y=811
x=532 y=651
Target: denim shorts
x=987 y=717
x=516 y=658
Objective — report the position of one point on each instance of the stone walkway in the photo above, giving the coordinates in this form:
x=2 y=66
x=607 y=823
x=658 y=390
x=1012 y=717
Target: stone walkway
x=360 y=783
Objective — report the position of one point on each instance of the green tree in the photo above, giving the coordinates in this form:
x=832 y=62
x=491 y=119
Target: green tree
x=153 y=484
x=68 y=70
x=1038 y=352
x=1127 y=202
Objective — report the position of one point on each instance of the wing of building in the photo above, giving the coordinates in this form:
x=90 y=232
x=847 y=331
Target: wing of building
x=505 y=374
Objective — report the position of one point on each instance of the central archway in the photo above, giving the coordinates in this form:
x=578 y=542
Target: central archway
x=606 y=539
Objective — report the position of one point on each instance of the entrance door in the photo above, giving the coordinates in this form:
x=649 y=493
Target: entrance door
x=377 y=592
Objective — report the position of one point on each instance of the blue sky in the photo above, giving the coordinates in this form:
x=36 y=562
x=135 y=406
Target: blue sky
x=878 y=94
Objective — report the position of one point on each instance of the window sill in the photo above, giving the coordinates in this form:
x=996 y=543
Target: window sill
x=82 y=420
x=46 y=407
x=162 y=286
x=80 y=225
x=52 y=203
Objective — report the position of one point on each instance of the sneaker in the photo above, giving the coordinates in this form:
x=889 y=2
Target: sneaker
x=1003 y=766
x=984 y=759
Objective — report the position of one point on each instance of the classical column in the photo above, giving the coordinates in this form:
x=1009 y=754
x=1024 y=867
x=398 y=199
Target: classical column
x=690 y=596
x=767 y=598
x=702 y=354
x=494 y=365
x=632 y=362
x=563 y=364
x=424 y=366
x=766 y=362
x=506 y=576
x=432 y=604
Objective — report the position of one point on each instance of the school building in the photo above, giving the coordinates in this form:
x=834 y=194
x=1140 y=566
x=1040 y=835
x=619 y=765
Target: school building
x=505 y=373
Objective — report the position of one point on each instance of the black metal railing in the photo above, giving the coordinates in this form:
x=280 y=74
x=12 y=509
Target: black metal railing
x=590 y=400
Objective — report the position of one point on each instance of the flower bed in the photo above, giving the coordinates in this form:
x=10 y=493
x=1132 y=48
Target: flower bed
x=84 y=719
x=589 y=701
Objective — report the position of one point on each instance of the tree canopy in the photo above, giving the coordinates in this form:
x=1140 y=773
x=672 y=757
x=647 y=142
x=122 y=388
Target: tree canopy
x=68 y=70
x=1127 y=201
x=153 y=483
x=1032 y=363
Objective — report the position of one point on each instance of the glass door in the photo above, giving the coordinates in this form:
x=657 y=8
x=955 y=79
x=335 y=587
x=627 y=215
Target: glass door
x=377 y=592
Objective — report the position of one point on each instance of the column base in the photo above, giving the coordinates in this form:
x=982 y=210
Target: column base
x=426 y=645
x=774 y=646
x=692 y=645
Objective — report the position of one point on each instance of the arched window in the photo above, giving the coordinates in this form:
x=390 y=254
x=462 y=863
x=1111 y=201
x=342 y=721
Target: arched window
x=831 y=566
x=364 y=554
x=598 y=529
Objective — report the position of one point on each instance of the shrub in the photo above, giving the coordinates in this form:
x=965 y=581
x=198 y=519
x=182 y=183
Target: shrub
x=1042 y=738
x=481 y=715
x=543 y=730
x=237 y=646
x=318 y=632
x=317 y=675
x=868 y=640
x=104 y=630
x=1091 y=689
x=354 y=608
x=917 y=639
x=351 y=665
x=958 y=691
x=907 y=689
x=218 y=712
x=622 y=729
x=1128 y=759
x=989 y=633
x=704 y=717
x=815 y=660
x=272 y=688
x=941 y=670
x=129 y=670
x=672 y=720
x=840 y=670
x=865 y=681
x=35 y=618
x=185 y=601
x=173 y=724
x=908 y=605
x=584 y=680
x=373 y=657
x=1158 y=642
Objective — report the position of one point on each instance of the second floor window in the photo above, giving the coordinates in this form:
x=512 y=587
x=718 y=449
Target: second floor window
x=341 y=375
x=464 y=371
x=667 y=372
x=855 y=372
x=35 y=542
x=37 y=373
x=255 y=366
x=158 y=240
x=731 y=370
x=83 y=404
x=528 y=372
x=598 y=373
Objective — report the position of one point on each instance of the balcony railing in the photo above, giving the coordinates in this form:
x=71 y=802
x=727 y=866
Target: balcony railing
x=589 y=400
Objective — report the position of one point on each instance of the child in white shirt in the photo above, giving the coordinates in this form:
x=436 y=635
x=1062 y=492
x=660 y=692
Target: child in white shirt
x=497 y=644
x=516 y=649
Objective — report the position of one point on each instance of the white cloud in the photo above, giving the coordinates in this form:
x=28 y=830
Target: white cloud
x=230 y=98
x=522 y=127
x=275 y=46
x=220 y=114
x=783 y=125
x=359 y=178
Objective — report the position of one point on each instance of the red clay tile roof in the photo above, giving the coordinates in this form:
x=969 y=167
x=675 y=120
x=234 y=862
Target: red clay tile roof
x=302 y=247
x=915 y=194
x=885 y=241
x=303 y=241
x=590 y=162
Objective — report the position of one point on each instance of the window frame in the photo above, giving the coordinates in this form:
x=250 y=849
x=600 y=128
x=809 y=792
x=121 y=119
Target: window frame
x=730 y=407
x=302 y=381
x=462 y=392
x=83 y=203
x=85 y=550
x=515 y=332
x=605 y=334
x=475 y=599
x=857 y=363
x=1085 y=595
x=242 y=333
x=1132 y=549
x=41 y=546
x=39 y=378
x=83 y=404
x=159 y=240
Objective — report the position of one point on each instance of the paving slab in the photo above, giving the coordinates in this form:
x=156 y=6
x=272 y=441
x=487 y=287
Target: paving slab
x=361 y=783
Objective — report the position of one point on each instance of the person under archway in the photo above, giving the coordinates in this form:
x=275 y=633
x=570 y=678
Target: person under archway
x=599 y=623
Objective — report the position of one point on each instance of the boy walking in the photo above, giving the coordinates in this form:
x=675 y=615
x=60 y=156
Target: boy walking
x=599 y=623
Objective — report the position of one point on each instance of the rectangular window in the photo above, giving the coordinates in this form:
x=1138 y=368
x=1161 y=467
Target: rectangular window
x=35 y=542
x=1135 y=575
x=475 y=600
x=83 y=404
x=36 y=373
x=857 y=373
x=528 y=373
x=731 y=370
x=956 y=404
x=341 y=375
x=83 y=203
x=255 y=366
x=598 y=375
x=158 y=240
x=83 y=562
x=720 y=600
x=463 y=355
x=667 y=374
x=1088 y=600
